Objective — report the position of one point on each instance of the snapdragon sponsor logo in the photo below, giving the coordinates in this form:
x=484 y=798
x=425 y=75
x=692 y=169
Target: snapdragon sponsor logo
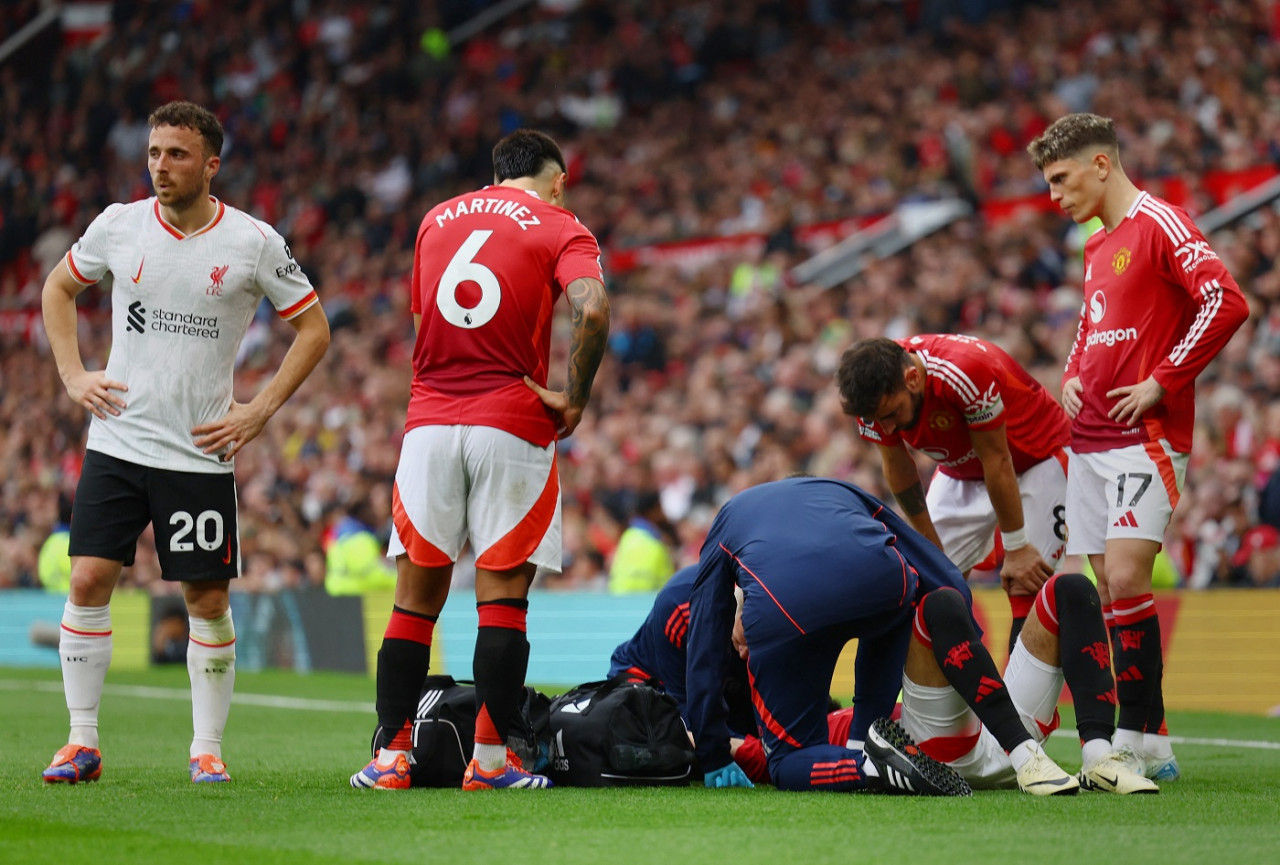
x=1111 y=337
x=1097 y=306
x=1098 y=309
x=942 y=456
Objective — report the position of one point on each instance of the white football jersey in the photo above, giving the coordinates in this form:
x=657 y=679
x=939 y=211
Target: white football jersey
x=180 y=306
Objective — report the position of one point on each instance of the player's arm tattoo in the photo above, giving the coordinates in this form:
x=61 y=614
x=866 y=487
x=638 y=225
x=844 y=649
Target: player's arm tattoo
x=911 y=499
x=589 y=336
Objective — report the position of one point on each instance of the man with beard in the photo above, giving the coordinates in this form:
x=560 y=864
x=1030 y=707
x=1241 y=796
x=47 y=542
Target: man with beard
x=189 y=273
x=1000 y=441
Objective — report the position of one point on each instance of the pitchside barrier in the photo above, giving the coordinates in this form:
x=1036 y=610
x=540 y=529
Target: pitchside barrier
x=1222 y=649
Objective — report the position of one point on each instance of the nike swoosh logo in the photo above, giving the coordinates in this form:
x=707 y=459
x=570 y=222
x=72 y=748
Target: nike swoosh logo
x=1056 y=782
x=1112 y=781
x=226 y=560
x=138 y=277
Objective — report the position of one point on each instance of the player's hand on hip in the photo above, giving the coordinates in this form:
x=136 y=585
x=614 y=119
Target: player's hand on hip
x=1071 y=402
x=739 y=637
x=1025 y=569
x=93 y=390
x=1134 y=400
x=567 y=416
x=227 y=435
x=727 y=776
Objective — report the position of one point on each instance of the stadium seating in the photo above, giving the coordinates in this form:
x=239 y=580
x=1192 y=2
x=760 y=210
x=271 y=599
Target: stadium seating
x=784 y=123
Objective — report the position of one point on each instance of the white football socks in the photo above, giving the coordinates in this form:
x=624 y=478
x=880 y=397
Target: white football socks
x=1156 y=747
x=1131 y=739
x=1094 y=752
x=1023 y=752
x=211 y=663
x=1034 y=686
x=491 y=758
x=84 y=647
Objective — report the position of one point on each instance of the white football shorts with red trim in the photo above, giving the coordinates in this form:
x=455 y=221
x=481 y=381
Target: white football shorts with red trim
x=460 y=483
x=1122 y=493
x=966 y=523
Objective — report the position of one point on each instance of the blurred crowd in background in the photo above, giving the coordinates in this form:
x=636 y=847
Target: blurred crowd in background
x=681 y=120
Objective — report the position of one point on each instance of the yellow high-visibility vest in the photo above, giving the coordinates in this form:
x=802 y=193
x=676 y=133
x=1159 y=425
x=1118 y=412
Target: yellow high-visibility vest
x=641 y=563
x=355 y=564
x=54 y=564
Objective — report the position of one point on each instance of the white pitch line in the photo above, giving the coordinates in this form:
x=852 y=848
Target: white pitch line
x=308 y=705
x=153 y=693
x=1192 y=740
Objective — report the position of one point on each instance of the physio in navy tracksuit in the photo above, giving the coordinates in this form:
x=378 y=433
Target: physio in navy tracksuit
x=657 y=650
x=820 y=562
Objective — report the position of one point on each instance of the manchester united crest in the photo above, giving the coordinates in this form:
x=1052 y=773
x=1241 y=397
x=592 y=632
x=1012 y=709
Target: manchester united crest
x=1120 y=261
x=940 y=420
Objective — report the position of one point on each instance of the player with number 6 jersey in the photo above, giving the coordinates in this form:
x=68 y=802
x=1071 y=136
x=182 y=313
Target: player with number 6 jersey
x=189 y=273
x=478 y=462
x=490 y=267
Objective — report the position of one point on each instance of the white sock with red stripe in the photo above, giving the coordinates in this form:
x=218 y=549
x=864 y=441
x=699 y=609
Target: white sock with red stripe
x=84 y=647
x=211 y=663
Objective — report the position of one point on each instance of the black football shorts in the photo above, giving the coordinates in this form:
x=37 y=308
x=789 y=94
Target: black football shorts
x=194 y=515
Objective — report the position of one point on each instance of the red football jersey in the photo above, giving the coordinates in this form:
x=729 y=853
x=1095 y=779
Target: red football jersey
x=1158 y=302
x=488 y=268
x=972 y=384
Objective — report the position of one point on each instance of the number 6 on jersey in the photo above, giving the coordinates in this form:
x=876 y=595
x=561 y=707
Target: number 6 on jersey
x=464 y=268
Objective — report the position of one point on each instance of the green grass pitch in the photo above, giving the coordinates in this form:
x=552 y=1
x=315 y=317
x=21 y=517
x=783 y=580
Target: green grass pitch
x=292 y=741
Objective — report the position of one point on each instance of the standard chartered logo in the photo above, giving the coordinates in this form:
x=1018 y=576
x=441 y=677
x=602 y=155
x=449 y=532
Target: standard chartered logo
x=136 y=319
x=176 y=323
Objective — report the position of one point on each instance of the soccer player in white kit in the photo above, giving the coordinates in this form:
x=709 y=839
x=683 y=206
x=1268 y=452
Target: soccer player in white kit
x=1158 y=307
x=189 y=273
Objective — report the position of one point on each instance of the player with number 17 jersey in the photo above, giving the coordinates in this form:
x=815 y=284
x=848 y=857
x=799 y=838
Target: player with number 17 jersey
x=1158 y=302
x=490 y=267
